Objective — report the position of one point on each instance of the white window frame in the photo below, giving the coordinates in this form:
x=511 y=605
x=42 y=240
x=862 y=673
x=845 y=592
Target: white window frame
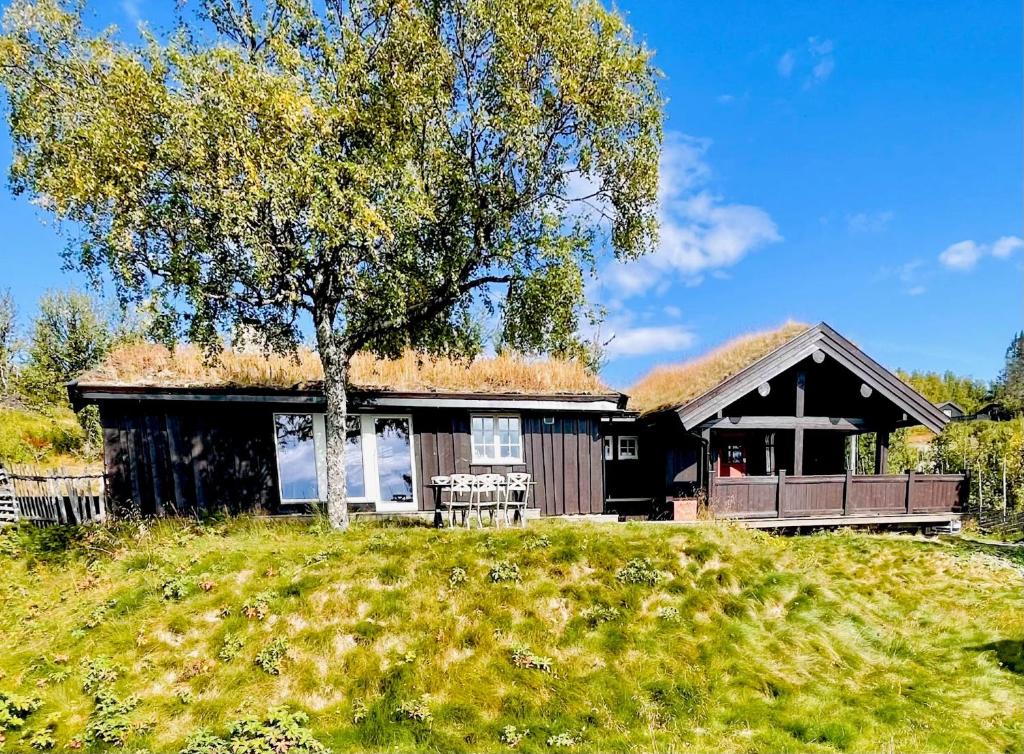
x=371 y=476
x=625 y=455
x=609 y=448
x=497 y=460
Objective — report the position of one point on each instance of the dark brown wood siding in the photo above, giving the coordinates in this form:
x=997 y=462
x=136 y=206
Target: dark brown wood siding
x=167 y=457
x=564 y=457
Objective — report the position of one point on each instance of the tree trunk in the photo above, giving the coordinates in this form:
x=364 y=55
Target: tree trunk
x=335 y=362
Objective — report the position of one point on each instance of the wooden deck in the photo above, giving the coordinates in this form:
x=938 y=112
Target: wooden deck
x=840 y=499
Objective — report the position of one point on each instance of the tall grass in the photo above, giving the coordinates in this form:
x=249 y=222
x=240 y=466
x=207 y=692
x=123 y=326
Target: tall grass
x=150 y=364
x=625 y=638
x=675 y=384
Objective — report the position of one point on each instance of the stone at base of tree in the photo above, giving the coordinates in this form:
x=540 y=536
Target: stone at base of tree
x=684 y=509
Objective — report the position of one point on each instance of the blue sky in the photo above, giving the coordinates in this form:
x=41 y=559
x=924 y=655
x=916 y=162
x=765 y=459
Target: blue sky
x=858 y=163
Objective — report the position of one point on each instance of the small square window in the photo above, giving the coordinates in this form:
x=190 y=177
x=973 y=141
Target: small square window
x=735 y=454
x=628 y=449
x=609 y=448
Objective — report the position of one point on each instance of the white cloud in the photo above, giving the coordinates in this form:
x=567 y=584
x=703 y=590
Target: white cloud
x=131 y=9
x=1006 y=245
x=961 y=256
x=699 y=231
x=964 y=255
x=638 y=341
x=817 y=54
x=868 y=222
x=725 y=99
x=786 y=64
x=909 y=274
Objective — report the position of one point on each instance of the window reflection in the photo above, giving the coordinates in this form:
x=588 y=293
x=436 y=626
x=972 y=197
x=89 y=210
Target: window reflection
x=394 y=459
x=355 y=482
x=296 y=456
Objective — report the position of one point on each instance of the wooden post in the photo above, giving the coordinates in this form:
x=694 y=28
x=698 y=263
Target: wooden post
x=780 y=495
x=910 y=491
x=852 y=463
x=882 y=451
x=798 y=433
x=846 y=492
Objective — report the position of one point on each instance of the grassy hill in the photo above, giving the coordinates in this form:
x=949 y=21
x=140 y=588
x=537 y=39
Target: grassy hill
x=559 y=638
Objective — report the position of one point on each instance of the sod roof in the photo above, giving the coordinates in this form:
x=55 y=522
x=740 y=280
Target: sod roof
x=675 y=385
x=149 y=365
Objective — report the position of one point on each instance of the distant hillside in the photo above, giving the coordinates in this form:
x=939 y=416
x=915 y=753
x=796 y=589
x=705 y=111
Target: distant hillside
x=51 y=437
x=598 y=638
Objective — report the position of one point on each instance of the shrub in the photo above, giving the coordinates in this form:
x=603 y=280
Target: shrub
x=278 y=731
x=15 y=710
x=668 y=614
x=639 y=571
x=598 y=614
x=231 y=647
x=524 y=658
x=273 y=655
x=42 y=739
x=99 y=672
x=205 y=742
x=258 y=606
x=175 y=588
x=564 y=740
x=415 y=709
x=538 y=543
x=457 y=577
x=504 y=571
x=512 y=736
x=109 y=722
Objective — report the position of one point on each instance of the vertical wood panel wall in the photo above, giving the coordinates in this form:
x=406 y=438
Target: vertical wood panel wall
x=167 y=458
x=564 y=458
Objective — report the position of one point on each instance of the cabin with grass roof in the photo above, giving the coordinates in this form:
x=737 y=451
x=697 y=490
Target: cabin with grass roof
x=763 y=429
x=246 y=433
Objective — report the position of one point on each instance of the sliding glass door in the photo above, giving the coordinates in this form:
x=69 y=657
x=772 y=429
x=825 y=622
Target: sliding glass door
x=379 y=463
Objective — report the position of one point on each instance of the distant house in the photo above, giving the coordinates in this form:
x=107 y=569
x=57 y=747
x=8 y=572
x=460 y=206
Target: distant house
x=993 y=411
x=760 y=427
x=952 y=410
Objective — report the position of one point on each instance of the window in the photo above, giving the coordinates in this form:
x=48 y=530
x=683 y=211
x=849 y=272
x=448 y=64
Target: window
x=496 y=439
x=627 y=448
x=296 y=457
x=735 y=454
x=355 y=478
x=378 y=459
x=394 y=459
x=609 y=448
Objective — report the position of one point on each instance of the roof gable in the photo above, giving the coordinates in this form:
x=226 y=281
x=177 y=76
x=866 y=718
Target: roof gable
x=818 y=338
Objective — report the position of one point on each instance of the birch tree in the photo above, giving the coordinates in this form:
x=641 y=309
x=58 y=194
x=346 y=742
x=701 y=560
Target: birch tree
x=386 y=174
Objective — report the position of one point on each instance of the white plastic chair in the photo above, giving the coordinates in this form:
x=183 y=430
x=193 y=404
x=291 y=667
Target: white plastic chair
x=490 y=485
x=517 y=482
x=460 y=495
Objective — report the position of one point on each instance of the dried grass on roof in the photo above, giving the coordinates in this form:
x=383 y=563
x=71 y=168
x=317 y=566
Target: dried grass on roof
x=151 y=365
x=677 y=384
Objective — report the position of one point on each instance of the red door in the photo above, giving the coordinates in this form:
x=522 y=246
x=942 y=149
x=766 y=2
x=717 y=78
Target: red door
x=732 y=461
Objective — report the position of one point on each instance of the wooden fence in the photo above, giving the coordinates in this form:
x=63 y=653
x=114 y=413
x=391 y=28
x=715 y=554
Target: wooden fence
x=785 y=496
x=8 y=505
x=46 y=497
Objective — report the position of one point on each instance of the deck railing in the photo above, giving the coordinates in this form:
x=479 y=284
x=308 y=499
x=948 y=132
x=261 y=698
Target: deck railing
x=785 y=496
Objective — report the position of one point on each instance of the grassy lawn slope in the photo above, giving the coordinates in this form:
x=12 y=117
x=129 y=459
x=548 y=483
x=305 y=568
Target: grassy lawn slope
x=563 y=637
